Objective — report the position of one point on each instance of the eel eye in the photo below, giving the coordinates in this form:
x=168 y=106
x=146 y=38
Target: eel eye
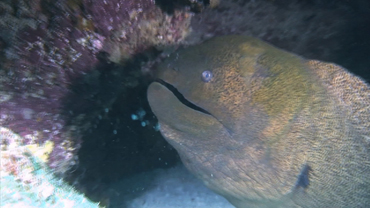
x=207 y=76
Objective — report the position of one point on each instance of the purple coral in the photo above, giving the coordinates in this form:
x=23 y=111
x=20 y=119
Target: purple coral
x=54 y=48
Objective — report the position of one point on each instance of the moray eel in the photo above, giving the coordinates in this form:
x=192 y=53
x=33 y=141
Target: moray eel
x=264 y=127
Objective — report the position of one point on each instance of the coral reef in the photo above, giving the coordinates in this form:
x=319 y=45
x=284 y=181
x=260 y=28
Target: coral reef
x=27 y=182
x=51 y=46
x=73 y=72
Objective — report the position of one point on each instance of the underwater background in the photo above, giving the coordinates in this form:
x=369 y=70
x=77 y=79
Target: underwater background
x=76 y=129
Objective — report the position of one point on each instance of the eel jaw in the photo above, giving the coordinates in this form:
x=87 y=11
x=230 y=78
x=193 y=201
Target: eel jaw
x=172 y=109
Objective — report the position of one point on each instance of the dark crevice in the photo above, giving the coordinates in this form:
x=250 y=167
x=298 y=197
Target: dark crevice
x=181 y=98
x=169 y=6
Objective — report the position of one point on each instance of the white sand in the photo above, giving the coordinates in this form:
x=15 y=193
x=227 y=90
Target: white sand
x=171 y=188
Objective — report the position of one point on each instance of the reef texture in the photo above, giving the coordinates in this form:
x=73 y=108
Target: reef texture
x=27 y=182
x=48 y=47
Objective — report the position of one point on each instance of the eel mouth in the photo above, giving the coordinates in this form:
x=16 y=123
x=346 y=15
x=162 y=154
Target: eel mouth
x=182 y=98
